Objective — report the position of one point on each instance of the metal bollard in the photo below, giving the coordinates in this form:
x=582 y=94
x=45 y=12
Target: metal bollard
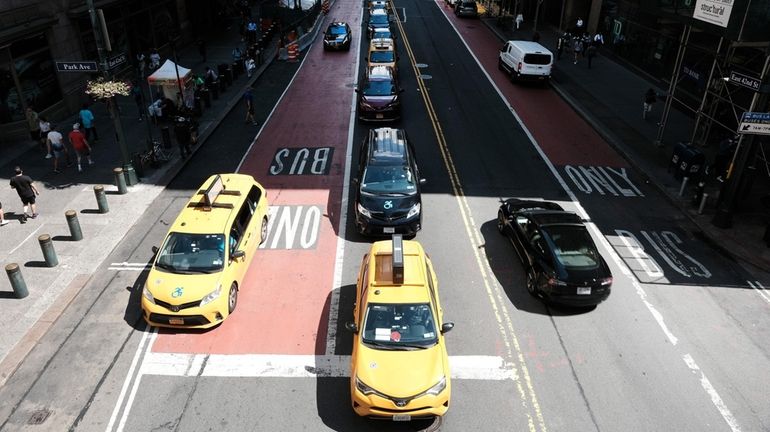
x=214 y=89
x=49 y=254
x=222 y=84
x=206 y=98
x=101 y=199
x=120 y=180
x=684 y=185
x=72 y=221
x=17 y=281
x=703 y=202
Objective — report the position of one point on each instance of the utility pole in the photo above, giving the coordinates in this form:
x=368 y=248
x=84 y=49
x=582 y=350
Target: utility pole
x=112 y=103
x=735 y=177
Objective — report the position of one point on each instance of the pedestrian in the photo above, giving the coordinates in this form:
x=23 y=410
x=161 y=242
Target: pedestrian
x=579 y=26
x=45 y=126
x=87 y=121
x=210 y=77
x=577 y=48
x=136 y=92
x=249 y=98
x=649 y=100
x=237 y=55
x=33 y=123
x=154 y=59
x=141 y=63
x=183 y=137
x=202 y=48
x=251 y=31
x=56 y=147
x=80 y=145
x=519 y=21
x=250 y=66
x=590 y=53
x=598 y=39
x=559 y=47
x=2 y=216
x=27 y=191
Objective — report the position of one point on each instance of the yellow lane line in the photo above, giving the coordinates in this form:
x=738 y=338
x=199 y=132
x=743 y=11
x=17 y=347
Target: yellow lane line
x=494 y=294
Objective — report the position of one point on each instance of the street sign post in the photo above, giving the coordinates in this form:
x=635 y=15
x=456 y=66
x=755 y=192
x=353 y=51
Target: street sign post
x=755 y=123
x=77 y=66
x=746 y=81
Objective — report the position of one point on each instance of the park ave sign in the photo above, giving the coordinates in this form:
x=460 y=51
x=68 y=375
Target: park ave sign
x=77 y=66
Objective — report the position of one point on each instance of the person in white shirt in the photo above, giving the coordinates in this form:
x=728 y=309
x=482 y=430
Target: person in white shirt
x=56 y=147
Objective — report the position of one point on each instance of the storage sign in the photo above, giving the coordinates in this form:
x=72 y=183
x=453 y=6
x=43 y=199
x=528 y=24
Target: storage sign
x=714 y=11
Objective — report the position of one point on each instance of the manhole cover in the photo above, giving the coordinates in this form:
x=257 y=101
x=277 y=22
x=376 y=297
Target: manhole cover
x=426 y=77
x=421 y=65
x=38 y=417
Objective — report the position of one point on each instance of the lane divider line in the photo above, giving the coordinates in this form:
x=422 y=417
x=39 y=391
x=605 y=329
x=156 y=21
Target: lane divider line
x=597 y=234
x=528 y=396
x=130 y=376
x=137 y=381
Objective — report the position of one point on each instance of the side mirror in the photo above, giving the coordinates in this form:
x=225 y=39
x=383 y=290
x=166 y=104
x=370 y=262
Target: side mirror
x=446 y=327
x=423 y=181
x=154 y=249
x=400 y=90
x=351 y=326
x=355 y=181
x=238 y=254
x=355 y=89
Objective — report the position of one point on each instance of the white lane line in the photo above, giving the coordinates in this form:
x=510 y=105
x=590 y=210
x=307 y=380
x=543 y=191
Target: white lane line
x=761 y=290
x=127 y=266
x=490 y=368
x=715 y=399
x=138 y=379
x=334 y=301
x=127 y=381
x=597 y=234
x=25 y=240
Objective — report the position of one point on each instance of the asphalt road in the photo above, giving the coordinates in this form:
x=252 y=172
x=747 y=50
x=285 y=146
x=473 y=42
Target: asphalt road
x=679 y=345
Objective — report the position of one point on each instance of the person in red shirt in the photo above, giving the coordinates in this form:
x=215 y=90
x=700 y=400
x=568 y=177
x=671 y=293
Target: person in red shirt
x=80 y=144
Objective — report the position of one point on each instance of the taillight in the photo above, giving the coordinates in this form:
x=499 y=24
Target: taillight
x=552 y=281
x=607 y=281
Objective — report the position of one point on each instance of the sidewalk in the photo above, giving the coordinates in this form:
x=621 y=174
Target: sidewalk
x=609 y=97
x=51 y=289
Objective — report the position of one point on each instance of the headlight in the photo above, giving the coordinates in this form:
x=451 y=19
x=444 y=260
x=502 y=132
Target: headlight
x=210 y=297
x=148 y=295
x=363 y=210
x=363 y=388
x=437 y=388
x=413 y=211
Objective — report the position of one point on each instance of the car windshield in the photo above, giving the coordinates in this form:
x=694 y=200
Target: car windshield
x=382 y=57
x=379 y=88
x=400 y=325
x=378 y=19
x=337 y=30
x=383 y=33
x=388 y=178
x=192 y=253
x=573 y=246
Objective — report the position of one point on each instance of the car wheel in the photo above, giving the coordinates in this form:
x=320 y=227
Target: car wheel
x=232 y=298
x=532 y=283
x=500 y=64
x=500 y=222
x=263 y=231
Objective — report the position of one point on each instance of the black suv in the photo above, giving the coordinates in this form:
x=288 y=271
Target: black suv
x=337 y=36
x=388 y=193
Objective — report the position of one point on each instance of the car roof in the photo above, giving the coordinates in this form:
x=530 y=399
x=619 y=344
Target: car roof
x=554 y=217
x=380 y=72
x=378 y=12
x=530 y=47
x=387 y=146
x=198 y=218
x=382 y=288
x=381 y=44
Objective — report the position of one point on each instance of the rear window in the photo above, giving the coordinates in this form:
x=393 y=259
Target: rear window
x=537 y=59
x=469 y=4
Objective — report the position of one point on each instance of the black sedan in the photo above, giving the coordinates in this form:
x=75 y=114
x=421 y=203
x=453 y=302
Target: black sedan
x=337 y=36
x=561 y=260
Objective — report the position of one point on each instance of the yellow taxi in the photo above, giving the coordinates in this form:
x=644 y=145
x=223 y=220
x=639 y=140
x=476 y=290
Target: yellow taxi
x=200 y=266
x=382 y=52
x=399 y=366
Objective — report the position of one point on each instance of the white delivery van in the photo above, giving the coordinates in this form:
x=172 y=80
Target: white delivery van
x=526 y=60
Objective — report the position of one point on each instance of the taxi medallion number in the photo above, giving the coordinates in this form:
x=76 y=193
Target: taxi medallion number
x=389 y=230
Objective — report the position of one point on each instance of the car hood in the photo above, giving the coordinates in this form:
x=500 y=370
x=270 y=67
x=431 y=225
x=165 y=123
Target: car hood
x=378 y=101
x=181 y=288
x=401 y=373
x=388 y=205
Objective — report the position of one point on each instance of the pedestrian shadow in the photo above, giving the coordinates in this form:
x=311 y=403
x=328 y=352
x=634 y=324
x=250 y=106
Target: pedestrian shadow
x=90 y=211
x=7 y=295
x=36 y=264
x=66 y=238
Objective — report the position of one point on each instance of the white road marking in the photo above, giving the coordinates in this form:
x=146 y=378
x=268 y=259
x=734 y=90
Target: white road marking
x=715 y=399
x=126 y=382
x=761 y=290
x=489 y=368
x=127 y=266
x=25 y=240
x=135 y=385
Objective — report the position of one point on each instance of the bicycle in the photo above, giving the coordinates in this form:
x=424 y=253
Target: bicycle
x=154 y=157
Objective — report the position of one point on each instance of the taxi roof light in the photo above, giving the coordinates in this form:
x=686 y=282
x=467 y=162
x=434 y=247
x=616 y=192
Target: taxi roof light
x=211 y=193
x=398 y=259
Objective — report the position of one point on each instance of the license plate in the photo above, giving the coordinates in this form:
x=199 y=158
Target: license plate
x=379 y=116
x=389 y=230
x=176 y=321
x=402 y=417
x=584 y=290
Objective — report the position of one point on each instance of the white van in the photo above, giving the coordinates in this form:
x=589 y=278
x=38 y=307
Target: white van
x=526 y=60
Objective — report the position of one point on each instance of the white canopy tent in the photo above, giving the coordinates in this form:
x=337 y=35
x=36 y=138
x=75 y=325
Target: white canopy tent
x=166 y=78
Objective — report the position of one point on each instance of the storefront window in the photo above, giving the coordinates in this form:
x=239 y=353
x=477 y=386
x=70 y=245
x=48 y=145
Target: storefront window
x=9 y=97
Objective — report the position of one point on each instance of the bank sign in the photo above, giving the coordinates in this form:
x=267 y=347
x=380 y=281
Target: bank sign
x=714 y=11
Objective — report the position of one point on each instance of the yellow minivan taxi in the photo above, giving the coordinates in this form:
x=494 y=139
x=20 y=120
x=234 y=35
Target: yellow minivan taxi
x=399 y=365
x=200 y=266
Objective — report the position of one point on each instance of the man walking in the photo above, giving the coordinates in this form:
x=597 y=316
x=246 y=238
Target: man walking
x=590 y=53
x=27 y=192
x=649 y=100
x=2 y=216
x=56 y=147
x=249 y=98
x=87 y=121
x=80 y=145
x=33 y=123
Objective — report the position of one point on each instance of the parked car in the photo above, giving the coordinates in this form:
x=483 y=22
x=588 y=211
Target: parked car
x=382 y=52
x=388 y=198
x=378 y=18
x=560 y=259
x=379 y=95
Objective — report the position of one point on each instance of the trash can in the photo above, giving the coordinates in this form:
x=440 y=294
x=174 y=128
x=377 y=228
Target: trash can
x=687 y=161
x=214 y=89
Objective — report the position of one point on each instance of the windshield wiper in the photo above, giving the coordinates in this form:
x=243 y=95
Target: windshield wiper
x=404 y=345
x=386 y=346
